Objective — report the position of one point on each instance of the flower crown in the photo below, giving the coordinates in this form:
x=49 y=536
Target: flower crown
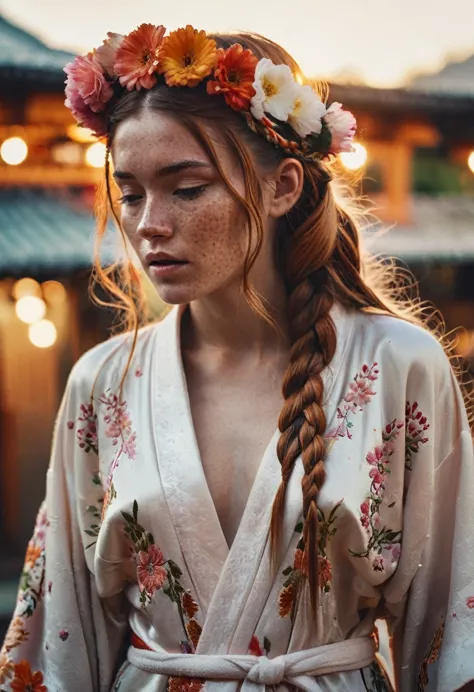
x=274 y=104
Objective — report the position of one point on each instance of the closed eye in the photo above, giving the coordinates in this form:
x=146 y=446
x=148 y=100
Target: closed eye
x=189 y=193
x=128 y=199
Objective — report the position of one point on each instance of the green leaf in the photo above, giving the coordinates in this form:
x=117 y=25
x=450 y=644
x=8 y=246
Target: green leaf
x=267 y=645
x=174 y=569
x=300 y=545
x=392 y=504
x=135 y=509
x=91 y=533
x=150 y=538
x=128 y=518
x=288 y=582
x=287 y=571
x=299 y=527
x=349 y=424
x=91 y=508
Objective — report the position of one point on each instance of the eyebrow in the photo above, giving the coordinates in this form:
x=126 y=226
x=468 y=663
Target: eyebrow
x=172 y=169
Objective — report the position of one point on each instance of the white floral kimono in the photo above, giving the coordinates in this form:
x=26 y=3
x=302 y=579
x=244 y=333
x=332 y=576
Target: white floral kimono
x=129 y=583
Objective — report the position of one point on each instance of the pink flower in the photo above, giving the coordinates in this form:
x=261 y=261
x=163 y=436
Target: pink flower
x=107 y=53
x=377 y=563
x=470 y=602
x=396 y=551
x=376 y=521
x=364 y=508
x=364 y=520
x=64 y=635
x=360 y=392
x=342 y=126
x=138 y=372
x=375 y=456
x=377 y=477
x=86 y=79
x=151 y=574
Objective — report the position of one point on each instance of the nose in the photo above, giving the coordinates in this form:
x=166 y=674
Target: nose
x=155 y=222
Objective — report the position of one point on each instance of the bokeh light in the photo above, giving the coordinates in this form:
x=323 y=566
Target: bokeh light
x=14 y=151
x=470 y=161
x=355 y=159
x=54 y=292
x=30 y=309
x=95 y=155
x=25 y=287
x=42 y=334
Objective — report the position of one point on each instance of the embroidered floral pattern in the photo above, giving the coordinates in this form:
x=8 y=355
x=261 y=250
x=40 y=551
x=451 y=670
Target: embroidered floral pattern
x=26 y=680
x=296 y=574
x=470 y=602
x=119 y=424
x=383 y=543
x=416 y=426
x=359 y=395
x=32 y=578
x=95 y=512
x=431 y=656
x=255 y=649
x=7 y=668
x=185 y=685
x=87 y=434
x=16 y=635
x=155 y=573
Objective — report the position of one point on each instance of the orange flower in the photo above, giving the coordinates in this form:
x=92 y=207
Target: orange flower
x=187 y=56
x=234 y=76
x=6 y=668
x=16 y=635
x=33 y=552
x=285 y=600
x=185 y=685
x=324 y=572
x=27 y=681
x=194 y=629
x=301 y=562
x=190 y=606
x=137 y=57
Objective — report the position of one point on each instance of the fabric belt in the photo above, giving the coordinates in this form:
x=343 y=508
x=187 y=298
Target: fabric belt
x=298 y=668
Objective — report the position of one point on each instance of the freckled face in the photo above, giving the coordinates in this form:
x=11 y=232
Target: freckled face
x=178 y=214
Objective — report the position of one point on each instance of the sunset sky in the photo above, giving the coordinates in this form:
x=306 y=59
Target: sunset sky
x=381 y=41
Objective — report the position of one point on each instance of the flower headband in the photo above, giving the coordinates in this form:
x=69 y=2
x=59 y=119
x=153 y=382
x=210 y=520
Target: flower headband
x=274 y=104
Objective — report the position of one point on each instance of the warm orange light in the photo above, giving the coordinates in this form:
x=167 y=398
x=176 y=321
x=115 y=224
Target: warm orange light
x=42 y=334
x=30 y=309
x=470 y=161
x=25 y=287
x=54 y=292
x=355 y=159
x=14 y=151
x=95 y=155
x=80 y=134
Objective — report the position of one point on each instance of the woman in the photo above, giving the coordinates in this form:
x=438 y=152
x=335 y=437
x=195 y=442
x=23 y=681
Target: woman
x=184 y=544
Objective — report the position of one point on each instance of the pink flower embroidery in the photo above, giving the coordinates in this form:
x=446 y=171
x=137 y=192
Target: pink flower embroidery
x=70 y=424
x=377 y=563
x=416 y=426
x=470 y=602
x=87 y=434
x=64 y=635
x=138 y=372
x=360 y=393
x=150 y=571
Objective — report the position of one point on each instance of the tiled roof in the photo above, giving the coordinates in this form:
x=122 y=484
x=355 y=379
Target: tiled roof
x=20 y=52
x=44 y=232
x=442 y=229
x=457 y=79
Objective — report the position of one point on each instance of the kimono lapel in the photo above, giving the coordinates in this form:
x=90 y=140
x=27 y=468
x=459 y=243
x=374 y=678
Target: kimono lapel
x=191 y=507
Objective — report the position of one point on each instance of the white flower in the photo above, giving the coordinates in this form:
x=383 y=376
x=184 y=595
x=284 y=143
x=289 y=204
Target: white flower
x=342 y=126
x=107 y=52
x=274 y=90
x=307 y=111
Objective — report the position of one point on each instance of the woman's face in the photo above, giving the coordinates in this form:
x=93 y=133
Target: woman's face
x=181 y=219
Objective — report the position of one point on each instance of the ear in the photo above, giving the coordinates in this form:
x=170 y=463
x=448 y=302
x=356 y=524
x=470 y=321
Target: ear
x=287 y=185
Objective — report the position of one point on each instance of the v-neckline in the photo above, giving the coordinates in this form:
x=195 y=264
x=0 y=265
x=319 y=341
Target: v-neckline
x=196 y=523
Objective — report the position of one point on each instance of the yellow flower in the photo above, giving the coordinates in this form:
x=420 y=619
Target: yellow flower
x=186 y=57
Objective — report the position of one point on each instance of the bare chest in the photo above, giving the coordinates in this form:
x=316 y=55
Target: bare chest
x=234 y=419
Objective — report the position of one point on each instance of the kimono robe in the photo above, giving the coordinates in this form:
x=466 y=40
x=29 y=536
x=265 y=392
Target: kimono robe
x=128 y=541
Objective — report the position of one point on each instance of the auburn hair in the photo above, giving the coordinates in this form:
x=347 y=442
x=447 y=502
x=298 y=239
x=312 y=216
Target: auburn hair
x=319 y=256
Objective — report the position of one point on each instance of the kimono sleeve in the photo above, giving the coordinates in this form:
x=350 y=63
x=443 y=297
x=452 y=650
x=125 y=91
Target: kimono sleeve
x=62 y=635
x=431 y=595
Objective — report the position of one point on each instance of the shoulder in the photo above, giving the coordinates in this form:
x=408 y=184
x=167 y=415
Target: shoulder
x=405 y=345
x=106 y=363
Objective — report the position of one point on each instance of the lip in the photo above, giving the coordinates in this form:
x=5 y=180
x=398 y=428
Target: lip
x=168 y=264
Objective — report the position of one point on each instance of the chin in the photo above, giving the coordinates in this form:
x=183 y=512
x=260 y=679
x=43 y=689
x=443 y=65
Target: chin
x=176 y=295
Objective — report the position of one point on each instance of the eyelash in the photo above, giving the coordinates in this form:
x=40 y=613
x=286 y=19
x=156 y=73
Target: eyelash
x=187 y=193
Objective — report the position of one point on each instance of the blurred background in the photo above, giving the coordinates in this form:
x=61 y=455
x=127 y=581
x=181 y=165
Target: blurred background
x=407 y=74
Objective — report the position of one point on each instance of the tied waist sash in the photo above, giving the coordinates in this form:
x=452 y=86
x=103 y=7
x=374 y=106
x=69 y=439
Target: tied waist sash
x=298 y=668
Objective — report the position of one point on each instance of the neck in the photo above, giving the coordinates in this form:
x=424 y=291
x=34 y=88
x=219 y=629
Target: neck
x=225 y=320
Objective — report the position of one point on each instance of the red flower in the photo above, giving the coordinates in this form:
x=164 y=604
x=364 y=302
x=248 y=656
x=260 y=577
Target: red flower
x=234 y=76
x=190 y=606
x=254 y=647
x=324 y=572
x=185 y=685
x=470 y=602
x=27 y=681
x=150 y=572
x=364 y=508
x=137 y=57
